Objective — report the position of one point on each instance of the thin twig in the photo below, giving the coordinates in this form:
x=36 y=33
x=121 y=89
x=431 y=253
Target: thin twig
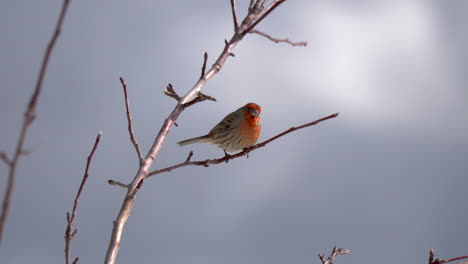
x=129 y=119
x=208 y=162
x=277 y=40
x=69 y=234
x=4 y=157
x=133 y=187
x=251 y=4
x=433 y=260
x=119 y=184
x=200 y=98
x=29 y=117
x=205 y=58
x=171 y=92
x=335 y=253
x=234 y=16
x=189 y=156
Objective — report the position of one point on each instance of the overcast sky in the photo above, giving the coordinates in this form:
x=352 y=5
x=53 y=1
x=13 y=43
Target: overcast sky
x=387 y=179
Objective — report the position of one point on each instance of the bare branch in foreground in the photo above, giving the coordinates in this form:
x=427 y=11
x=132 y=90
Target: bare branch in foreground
x=335 y=253
x=208 y=162
x=69 y=234
x=277 y=40
x=255 y=15
x=433 y=260
x=29 y=117
x=129 y=120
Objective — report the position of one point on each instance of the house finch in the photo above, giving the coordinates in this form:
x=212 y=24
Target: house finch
x=237 y=131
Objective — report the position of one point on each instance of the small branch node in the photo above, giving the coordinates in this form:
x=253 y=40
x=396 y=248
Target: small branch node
x=200 y=98
x=119 y=184
x=322 y=258
x=76 y=260
x=189 y=156
x=205 y=58
x=171 y=92
x=335 y=253
x=25 y=152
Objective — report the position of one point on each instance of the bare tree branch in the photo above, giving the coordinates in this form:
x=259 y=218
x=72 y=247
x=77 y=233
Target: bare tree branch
x=277 y=40
x=249 y=22
x=433 y=260
x=29 y=117
x=335 y=253
x=69 y=234
x=208 y=162
x=129 y=119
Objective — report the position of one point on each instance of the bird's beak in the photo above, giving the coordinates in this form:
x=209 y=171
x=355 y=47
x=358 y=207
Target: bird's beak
x=254 y=112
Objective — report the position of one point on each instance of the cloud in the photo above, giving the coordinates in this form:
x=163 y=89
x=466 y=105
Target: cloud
x=383 y=64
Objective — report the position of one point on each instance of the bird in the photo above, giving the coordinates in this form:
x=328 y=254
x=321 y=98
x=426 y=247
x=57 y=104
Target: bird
x=239 y=130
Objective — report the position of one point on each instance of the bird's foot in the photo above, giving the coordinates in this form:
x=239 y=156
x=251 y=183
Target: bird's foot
x=227 y=156
x=246 y=151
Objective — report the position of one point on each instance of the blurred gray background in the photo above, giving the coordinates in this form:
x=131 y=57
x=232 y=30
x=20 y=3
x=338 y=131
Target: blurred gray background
x=387 y=179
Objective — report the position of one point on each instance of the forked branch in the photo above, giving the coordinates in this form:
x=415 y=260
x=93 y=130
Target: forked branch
x=434 y=260
x=257 y=12
x=335 y=253
x=29 y=117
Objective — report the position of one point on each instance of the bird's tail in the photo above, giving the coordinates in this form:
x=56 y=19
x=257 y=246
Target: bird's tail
x=202 y=139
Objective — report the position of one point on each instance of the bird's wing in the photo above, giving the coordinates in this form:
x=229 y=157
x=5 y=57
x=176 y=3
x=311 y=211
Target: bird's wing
x=225 y=124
